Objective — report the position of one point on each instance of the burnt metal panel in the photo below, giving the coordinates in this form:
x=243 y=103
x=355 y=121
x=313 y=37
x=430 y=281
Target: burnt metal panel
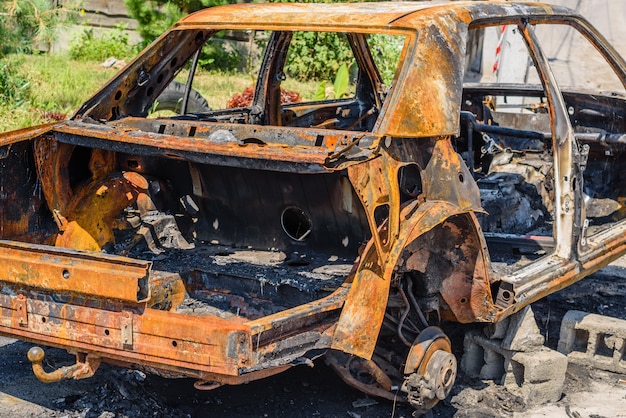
x=187 y=344
x=244 y=207
x=63 y=270
x=429 y=91
x=275 y=157
x=22 y=208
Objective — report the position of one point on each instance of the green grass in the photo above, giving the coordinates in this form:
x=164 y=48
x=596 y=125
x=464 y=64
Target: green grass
x=62 y=85
x=59 y=86
x=217 y=88
x=12 y=117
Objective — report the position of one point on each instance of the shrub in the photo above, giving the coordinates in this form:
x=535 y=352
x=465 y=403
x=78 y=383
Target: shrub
x=217 y=55
x=153 y=17
x=52 y=116
x=386 y=51
x=112 y=43
x=245 y=98
x=316 y=55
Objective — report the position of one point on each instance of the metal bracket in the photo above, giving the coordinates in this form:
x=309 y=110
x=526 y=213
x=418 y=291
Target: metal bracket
x=126 y=323
x=506 y=295
x=584 y=156
x=583 y=235
x=21 y=311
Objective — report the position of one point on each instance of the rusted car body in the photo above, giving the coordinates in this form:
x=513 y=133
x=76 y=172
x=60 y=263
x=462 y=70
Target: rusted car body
x=229 y=245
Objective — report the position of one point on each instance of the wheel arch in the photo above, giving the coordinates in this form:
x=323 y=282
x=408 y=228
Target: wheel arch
x=465 y=291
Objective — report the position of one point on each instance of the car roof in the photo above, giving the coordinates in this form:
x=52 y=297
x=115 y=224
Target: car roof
x=384 y=15
x=430 y=87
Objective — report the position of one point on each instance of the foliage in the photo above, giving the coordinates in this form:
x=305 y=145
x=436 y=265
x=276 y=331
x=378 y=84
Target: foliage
x=342 y=80
x=320 y=55
x=155 y=16
x=16 y=117
x=52 y=87
x=339 y=88
x=317 y=55
x=47 y=87
x=386 y=51
x=13 y=87
x=219 y=55
x=111 y=43
x=24 y=23
x=61 y=85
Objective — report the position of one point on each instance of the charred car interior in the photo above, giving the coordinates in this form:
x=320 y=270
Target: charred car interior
x=230 y=244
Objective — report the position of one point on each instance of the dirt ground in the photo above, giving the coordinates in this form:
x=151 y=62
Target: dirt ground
x=317 y=392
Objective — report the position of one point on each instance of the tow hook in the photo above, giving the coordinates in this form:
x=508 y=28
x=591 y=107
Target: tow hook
x=86 y=365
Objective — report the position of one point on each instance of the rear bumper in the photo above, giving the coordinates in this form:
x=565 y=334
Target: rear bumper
x=99 y=304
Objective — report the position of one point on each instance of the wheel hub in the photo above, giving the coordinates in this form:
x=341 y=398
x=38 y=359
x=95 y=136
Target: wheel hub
x=430 y=370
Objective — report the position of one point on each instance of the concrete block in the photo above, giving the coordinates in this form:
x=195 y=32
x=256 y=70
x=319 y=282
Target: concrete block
x=518 y=360
x=594 y=340
x=493 y=365
x=522 y=332
x=537 y=377
x=498 y=330
x=483 y=357
x=473 y=356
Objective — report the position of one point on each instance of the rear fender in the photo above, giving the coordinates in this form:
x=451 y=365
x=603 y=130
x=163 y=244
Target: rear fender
x=467 y=298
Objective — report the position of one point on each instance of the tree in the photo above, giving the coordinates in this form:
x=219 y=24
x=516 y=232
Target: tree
x=155 y=16
x=24 y=23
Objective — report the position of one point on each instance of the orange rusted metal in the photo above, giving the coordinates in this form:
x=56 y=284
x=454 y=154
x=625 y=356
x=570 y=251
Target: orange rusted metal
x=431 y=365
x=353 y=16
x=52 y=159
x=175 y=146
x=87 y=224
x=361 y=318
x=162 y=339
x=83 y=369
x=21 y=310
x=429 y=341
x=360 y=322
x=61 y=270
x=377 y=187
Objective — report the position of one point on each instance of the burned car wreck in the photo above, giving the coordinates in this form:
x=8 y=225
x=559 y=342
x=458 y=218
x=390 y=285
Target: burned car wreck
x=231 y=244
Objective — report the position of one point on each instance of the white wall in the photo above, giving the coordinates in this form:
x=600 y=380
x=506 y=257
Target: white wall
x=608 y=16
